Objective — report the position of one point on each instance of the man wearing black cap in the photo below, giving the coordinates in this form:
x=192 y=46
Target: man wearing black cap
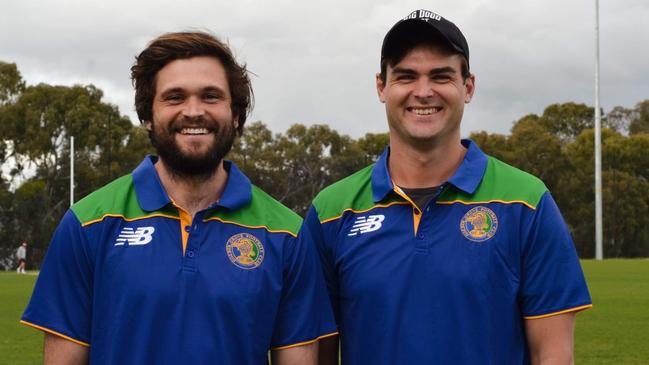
x=438 y=253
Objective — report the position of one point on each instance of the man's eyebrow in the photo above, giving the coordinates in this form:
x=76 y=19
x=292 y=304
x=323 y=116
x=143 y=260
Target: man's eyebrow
x=214 y=89
x=179 y=89
x=172 y=91
x=442 y=70
x=401 y=70
x=439 y=70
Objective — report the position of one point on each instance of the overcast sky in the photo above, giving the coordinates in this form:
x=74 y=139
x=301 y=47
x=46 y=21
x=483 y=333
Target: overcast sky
x=315 y=63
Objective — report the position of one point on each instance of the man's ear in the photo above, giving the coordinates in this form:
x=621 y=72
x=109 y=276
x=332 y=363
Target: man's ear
x=469 y=84
x=148 y=125
x=380 y=86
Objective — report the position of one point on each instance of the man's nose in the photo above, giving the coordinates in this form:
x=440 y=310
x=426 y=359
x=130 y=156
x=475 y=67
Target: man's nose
x=424 y=88
x=193 y=107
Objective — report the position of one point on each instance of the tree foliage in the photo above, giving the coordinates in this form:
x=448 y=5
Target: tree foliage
x=294 y=166
x=11 y=82
x=640 y=122
x=558 y=147
x=37 y=121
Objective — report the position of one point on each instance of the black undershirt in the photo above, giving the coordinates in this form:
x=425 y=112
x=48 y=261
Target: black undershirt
x=422 y=196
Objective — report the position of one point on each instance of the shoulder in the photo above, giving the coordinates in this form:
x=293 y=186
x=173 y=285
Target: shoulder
x=263 y=211
x=116 y=198
x=504 y=183
x=278 y=216
x=351 y=193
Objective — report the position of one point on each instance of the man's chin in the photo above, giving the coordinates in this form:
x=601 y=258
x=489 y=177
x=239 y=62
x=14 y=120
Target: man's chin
x=191 y=166
x=194 y=170
x=194 y=156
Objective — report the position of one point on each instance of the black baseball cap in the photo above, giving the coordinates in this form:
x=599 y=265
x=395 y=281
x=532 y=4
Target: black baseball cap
x=422 y=23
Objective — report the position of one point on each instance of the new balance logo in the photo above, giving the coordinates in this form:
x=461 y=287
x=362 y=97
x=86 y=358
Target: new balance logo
x=134 y=237
x=366 y=224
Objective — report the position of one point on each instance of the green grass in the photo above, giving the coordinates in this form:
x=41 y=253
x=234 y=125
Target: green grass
x=614 y=331
x=19 y=344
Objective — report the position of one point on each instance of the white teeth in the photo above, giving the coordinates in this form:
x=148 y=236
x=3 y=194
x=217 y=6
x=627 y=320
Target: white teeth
x=425 y=111
x=193 y=131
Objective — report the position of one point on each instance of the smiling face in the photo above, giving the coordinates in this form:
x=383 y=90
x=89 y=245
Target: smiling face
x=193 y=127
x=424 y=96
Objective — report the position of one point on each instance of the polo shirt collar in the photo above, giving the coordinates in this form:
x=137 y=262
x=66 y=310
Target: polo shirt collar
x=469 y=175
x=152 y=196
x=466 y=178
x=381 y=180
x=150 y=193
x=238 y=189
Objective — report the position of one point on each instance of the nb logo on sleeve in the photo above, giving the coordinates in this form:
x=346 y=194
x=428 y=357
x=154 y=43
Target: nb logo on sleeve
x=135 y=237
x=366 y=224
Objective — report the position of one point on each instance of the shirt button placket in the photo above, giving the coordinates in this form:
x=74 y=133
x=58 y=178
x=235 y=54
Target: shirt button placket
x=422 y=245
x=191 y=252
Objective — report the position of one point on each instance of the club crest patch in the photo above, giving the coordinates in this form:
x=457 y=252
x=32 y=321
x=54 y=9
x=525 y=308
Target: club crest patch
x=245 y=251
x=479 y=224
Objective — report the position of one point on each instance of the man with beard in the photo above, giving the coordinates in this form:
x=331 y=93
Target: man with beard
x=183 y=260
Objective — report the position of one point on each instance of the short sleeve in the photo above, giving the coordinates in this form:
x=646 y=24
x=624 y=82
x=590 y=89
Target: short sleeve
x=304 y=314
x=312 y=231
x=61 y=302
x=552 y=281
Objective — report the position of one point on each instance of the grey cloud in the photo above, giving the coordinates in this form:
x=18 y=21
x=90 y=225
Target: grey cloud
x=316 y=63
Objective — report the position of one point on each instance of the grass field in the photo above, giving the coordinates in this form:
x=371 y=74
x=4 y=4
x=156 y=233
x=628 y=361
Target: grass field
x=18 y=344
x=612 y=332
x=615 y=330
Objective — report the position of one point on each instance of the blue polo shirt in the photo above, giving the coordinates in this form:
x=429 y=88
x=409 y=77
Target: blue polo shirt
x=132 y=276
x=452 y=282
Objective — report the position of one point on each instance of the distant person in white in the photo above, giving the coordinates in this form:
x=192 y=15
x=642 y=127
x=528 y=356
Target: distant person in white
x=21 y=254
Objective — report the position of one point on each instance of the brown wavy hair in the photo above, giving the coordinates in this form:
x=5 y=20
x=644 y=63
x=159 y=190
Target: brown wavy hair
x=182 y=45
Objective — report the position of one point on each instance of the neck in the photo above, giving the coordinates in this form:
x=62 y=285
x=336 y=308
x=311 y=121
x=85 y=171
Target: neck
x=422 y=168
x=192 y=194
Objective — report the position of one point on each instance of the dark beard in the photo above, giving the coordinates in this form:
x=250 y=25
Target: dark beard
x=196 y=168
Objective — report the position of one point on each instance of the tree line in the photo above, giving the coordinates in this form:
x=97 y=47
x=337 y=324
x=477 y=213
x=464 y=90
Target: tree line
x=36 y=122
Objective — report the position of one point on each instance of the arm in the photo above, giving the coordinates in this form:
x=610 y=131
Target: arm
x=553 y=287
x=298 y=355
x=61 y=303
x=328 y=353
x=304 y=316
x=59 y=351
x=550 y=339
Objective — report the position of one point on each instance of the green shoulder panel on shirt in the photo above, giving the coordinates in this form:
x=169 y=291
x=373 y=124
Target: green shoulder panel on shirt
x=352 y=193
x=263 y=211
x=117 y=198
x=503 y=183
